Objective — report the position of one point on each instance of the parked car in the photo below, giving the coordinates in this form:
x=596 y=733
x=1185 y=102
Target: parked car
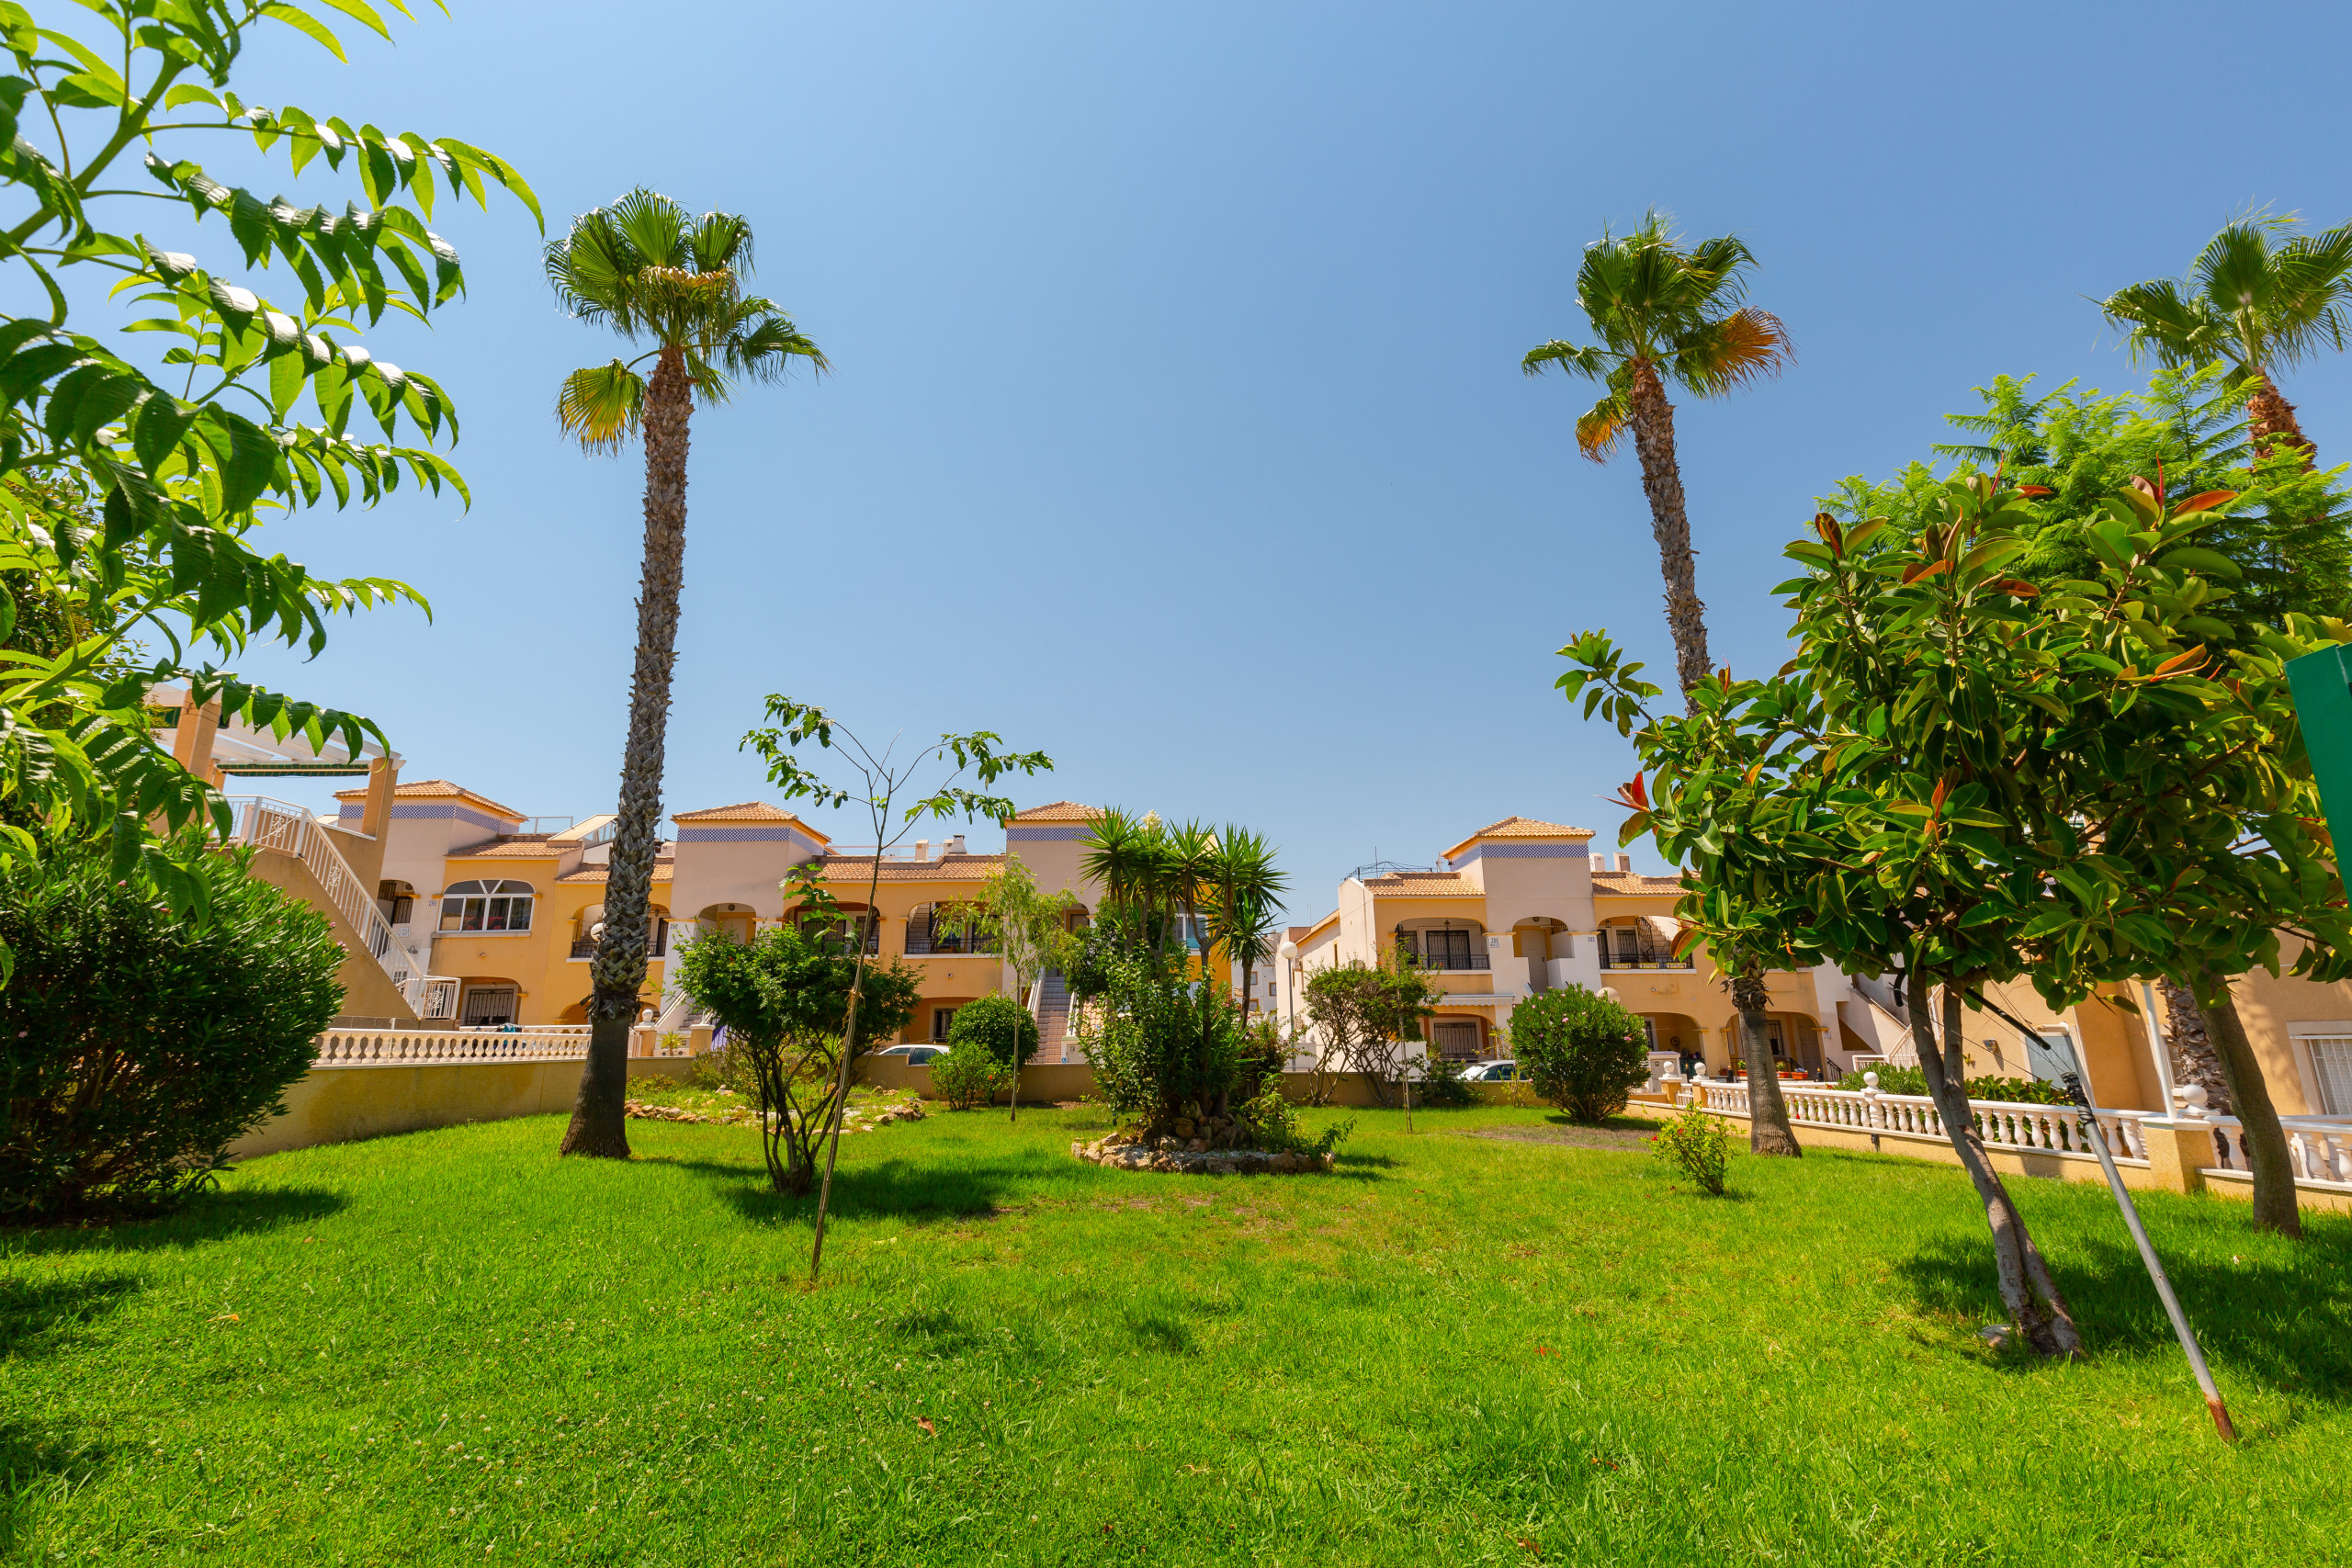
x=1490 y=1072
x=913 y=1055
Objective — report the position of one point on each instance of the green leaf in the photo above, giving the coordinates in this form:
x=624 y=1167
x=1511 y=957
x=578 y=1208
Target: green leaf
x=2194 y=557
x=304 y=23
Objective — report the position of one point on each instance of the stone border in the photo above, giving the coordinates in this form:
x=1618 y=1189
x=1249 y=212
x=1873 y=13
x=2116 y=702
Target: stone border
x=1199 y=1161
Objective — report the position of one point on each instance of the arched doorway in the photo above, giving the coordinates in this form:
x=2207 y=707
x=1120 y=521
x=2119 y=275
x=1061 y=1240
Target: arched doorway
x=1538 y=941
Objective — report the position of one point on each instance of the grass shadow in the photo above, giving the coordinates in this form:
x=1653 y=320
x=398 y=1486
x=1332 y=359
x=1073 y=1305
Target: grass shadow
x=209 y=1216
x=2283 y=1324
x=895 y=1189
x=39 y=1320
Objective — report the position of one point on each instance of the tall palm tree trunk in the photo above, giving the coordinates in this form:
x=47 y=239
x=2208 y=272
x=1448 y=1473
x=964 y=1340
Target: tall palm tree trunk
x=1686 y=616
x=600 y=1117
x=2272 y=418
x=2031 y=1296
x=1769 y=1131
x=2265 y=1137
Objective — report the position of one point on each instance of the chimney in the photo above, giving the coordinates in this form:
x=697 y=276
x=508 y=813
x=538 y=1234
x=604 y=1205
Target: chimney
x=922 y=849
x=955 y=845
x=1624 y=861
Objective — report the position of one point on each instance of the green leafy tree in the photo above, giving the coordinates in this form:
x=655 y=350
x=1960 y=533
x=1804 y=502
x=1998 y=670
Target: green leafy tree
x=1365 y=1014
x=1583 y=1052
x=136 y=1046
x=1029 y=929
x=1931 y=786
x=132 y=483
x=2261 y=296
x=2290 y=533
x=658 y=275
x=885 y=780
x=999 y=1025
x=1663 y=313
x=784 y=999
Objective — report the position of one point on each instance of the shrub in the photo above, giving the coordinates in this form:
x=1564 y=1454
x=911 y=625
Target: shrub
x=1911 y=1081
x=1583 y=1052
x=1698 y=1146
x=1441 y=1087
x=136 y=1046
x=969 y=1076
x=997 y=1023
x=1163 y=1048
x=1273 y=1124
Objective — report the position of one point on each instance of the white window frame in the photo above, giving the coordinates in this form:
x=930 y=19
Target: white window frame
x=2302 y=1035
x=458 y=897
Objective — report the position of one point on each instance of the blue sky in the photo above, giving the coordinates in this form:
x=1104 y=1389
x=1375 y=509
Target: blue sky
x=1178 y=428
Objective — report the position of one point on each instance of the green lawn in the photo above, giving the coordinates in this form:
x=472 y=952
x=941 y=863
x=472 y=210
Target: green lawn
x=453 y=1347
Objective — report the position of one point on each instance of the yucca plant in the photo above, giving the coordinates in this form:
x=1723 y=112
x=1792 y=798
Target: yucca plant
x=656 y=275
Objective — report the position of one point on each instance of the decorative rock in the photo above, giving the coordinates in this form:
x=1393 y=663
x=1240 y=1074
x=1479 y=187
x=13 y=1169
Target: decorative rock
x=1198 y=1159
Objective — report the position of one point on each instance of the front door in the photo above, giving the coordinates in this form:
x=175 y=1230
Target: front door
x=488 y=1006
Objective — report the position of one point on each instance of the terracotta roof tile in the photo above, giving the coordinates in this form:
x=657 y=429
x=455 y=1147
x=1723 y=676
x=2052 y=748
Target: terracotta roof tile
x=434 y=789
x=663 y=870
x=1521 y=828
x=520 y=846
x=1422 y=885
x=947 y=868
x=744 y=811
x=1058 y=811
x=1635 y=881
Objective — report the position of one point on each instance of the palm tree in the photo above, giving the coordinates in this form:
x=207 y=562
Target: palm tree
x=655 y=274
x=2261 y=296
x=1244 y=900
x=1664 y=313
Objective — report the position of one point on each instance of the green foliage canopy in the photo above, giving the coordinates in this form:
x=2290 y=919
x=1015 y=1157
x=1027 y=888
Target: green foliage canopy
x=997 y=1024
x=132 y=504
x=1583 y=1052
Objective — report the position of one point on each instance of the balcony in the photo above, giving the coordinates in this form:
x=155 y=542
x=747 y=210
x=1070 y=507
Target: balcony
x=1444 y=962
x=1644 y=958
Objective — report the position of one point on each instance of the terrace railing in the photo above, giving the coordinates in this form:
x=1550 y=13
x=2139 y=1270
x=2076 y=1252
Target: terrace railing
x=2030 y=1129
x=273 y=825
x=458 y=1047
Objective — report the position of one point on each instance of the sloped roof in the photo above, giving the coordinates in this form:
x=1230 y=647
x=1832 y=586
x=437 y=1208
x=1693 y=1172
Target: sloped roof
x=748 y=811
x=435 y=789
x=1301 y=933
x=1634 y=881
x=1058 y=811
x=1521 y=828
x=1422 y=885
x=662 y=871
x=859 y=869
x=520 y=846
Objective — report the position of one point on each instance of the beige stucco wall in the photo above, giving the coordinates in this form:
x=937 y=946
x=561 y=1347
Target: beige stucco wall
x=337 y=1105
x=367 y=991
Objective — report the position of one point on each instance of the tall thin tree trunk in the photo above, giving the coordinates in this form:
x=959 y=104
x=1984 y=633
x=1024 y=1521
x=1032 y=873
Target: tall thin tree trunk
x=1769 y=1131
x=2191 y=1049
x=1686 y=616
x=2027 y=1288
x=2272 y=418
x=599 y=1116
x=2266 y=1139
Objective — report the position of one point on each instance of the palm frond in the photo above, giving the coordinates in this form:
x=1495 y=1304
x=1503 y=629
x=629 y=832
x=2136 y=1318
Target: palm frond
x=600 y=406
x=657 y=227
x=1720 y=356
x=1594 y=364
x=1600 y=428
x=722 y=242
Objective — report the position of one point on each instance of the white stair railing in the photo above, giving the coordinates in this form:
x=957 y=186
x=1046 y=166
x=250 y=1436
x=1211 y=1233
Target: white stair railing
x=265 y=824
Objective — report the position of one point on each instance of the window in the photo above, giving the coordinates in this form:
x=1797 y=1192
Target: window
x=2331 y=1068
x=941 y=1020
x=1646 y=941
x=1444 y=944
x=486 y=907
x=937 y=928
x=397 y=900
x=1457 y=1042
x=488 y=1006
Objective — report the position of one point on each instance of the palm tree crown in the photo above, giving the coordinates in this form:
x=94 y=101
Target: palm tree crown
x=1677 y=311
x=652 y=271
x=2261 y=296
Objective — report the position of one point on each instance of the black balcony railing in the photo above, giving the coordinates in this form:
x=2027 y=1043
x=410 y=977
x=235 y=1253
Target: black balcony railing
x=1454 y=961
x=1652 y=958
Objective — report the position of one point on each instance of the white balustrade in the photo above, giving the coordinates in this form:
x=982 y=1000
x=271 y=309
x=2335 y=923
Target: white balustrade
x=2319 y=1148
x=2049 y=1129
x=439 y=1047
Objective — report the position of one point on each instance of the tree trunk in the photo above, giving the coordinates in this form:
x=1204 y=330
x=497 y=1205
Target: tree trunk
x=2266 y=1140
x=2272 y=418
x=1769 y=1131
x=599 y=1123
x=1686 y=617
x=2026 y=1289
x=2191 y=1048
